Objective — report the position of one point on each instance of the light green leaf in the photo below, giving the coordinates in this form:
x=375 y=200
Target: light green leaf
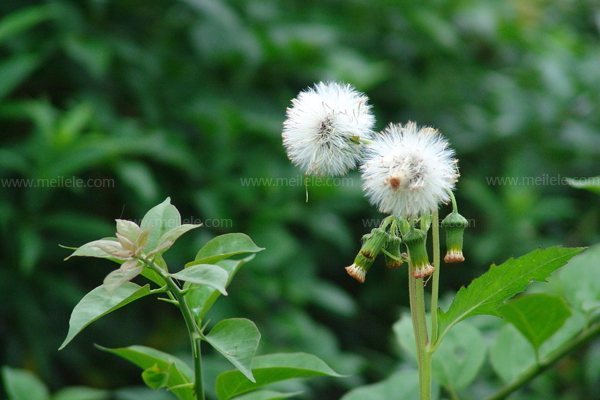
x=93 y=249
x=537 y=316
x=580 y=280
x=205 y=274
x=81 y=393
x=403 y=385
x=225 y=246
x=159 y=220
x=100 y=302
x=592 y=184
x=571 y=328
x=511 y=354
x=502 y=282
x=269 y=369
x=21 y=384
x=178 y=374
x=237 y=340
x=267 y=395
x=201 y=298
x=459 y=357
x=168 y=238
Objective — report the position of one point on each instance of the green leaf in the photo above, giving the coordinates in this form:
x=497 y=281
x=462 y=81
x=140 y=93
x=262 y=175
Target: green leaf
x=100 y=302
x=580 y=281
x=267 y=395
x=23 y=19
x=201 y=298
x=269 y=369
x=592 y=184
x=81 y=393
x=225 y=246
x=401 y=385
x=156 y=378
x=178 y=374
x=459 y=357
x=23 y=385
x=15 y=70
x=159 y=220
x=511 y=354
x=91 y=249
x=168 y=238
x=499 y=283
x=237 y=340
x=537 y=316
x=205 y=274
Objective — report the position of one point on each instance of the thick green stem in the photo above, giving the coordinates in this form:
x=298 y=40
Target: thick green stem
x=435 y=286
x=417 y=310
x=537 y=369
x=192 y=327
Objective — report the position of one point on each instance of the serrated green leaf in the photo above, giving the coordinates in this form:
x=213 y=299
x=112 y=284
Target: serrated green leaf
x=237 y=340
x=537 y=316
x=269 y=369
x=205 y=274
x=159 y=220
x=511 y=354
x=81 y=393
x=201 y=298
x=100 y=302
x=502 y=282
x=401 y=385
x=21 y=384
x=225 y=246
x=178 y=374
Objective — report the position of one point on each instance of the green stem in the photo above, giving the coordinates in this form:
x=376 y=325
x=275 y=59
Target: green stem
x=193 y=330
x=417 y=313
x=435 y=287
x=453 y=199
x=537 y=369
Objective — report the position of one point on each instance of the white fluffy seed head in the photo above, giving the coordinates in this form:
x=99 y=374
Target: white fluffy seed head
x=324 y=127
x=409 y=171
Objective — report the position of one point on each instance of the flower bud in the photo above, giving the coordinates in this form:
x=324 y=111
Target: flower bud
x=373 y=242
x=392 y=246
x=454 y=225
x=417 y=252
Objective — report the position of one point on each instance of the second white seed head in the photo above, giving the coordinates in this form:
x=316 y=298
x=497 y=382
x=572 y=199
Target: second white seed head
x=324 y=127
x=409 y=171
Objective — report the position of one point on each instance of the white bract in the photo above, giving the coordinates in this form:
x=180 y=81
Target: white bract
x=409 y=171
x=325 y=127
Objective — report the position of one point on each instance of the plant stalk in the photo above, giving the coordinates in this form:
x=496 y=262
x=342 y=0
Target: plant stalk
x=435 y=286
x=417 y=311
x=193 y=330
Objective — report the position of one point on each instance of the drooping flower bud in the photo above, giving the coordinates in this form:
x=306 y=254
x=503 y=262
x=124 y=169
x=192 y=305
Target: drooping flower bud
x=454 y=225
x=417 y=252
x=373 y=242
x=393 y=260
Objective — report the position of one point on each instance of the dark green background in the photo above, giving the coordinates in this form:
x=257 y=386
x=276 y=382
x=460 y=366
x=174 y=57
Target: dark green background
x=186 y=98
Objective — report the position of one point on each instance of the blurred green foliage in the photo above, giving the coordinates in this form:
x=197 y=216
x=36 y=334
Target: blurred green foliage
x=186 y=98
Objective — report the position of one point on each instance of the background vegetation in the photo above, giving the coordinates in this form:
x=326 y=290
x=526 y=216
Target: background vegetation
x=186 y=99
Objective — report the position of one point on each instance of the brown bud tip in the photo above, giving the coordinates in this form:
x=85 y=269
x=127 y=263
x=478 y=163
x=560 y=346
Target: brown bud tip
x=357 y=273
x=454 y=256
x=393 y=264
x=424 y=271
